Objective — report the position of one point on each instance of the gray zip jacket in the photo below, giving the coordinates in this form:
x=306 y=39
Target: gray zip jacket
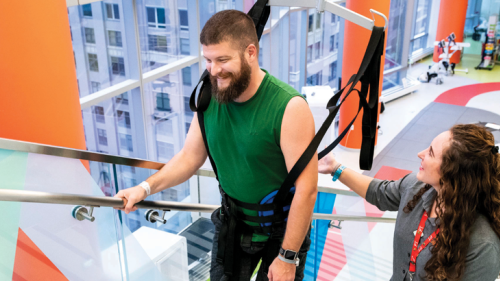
x=483 y=256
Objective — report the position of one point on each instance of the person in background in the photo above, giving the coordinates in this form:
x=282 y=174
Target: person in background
x=448 y=222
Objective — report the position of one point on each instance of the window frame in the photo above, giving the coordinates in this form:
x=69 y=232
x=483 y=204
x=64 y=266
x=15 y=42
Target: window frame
x=157 y=25
x=115 y=11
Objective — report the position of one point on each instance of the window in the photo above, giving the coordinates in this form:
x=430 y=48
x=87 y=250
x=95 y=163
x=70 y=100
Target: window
x=317 y=48
x=95 y=86
x=118 y=66
x=89 y=35
x=311 y=20
x=187 y=127
x=122 y=98
x=334 y=18
x=309 y=81
x=183 y=18
x=314 y=79
x=186 y=76
x=126 y=142
x=165 y=150
x=115 y=38
x=333 y=71
x=185 y=46
x=157 y=43
x=93 y=64
x=309 y=53
x=112 y=11
x=123 y=119
x=99 y=114
x=318 y=21
x=187 y=109
x=332 y=43
x=156 y=17
x=102 y=137
x=87 y=10
x=163 y=102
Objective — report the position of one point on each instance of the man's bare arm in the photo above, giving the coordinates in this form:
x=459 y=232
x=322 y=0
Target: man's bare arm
x=178 y=170
x=296 y=134
x=297 y=131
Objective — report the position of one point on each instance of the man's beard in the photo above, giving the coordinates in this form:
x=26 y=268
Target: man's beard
x=237 y=85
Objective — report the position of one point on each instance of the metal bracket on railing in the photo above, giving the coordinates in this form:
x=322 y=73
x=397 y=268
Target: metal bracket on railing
x=81 y=213
x=153 y=216
x=332 y=224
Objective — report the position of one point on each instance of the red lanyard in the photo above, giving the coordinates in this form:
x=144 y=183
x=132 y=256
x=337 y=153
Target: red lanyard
x=416 y=251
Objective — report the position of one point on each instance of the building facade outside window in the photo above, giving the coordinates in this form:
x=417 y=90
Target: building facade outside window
x=186 y=76
x=96 y=86
x=103 y=139
x=112 y=11
x=333 y=71
x=163 y=102
x=99 y=114
x=157 y=43
x=123 y=119
x=118 y=66
x=122 y=99
x=93 y=63
x=89 y=35
x=156 y=17
x=87 y=10
x=115 y=38
x=126 y=142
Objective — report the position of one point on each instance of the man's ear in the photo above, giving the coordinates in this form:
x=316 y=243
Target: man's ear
x=252 y=53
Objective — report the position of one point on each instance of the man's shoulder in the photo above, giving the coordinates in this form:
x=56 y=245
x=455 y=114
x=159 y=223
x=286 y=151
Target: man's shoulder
x=279 y=87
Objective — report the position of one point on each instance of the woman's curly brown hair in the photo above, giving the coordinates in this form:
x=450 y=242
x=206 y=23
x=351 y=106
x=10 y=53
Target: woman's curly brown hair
x=470 y=184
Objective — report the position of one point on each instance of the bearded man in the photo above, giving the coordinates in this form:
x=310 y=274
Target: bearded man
x=257 y=127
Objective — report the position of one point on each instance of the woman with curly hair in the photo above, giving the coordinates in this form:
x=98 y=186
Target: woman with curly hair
x=448 y=224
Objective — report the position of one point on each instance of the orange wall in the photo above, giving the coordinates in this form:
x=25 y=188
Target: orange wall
x=355 y=41
x=451 y=19
x=39 y=99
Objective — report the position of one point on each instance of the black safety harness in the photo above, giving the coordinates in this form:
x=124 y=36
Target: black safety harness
x=234 y=227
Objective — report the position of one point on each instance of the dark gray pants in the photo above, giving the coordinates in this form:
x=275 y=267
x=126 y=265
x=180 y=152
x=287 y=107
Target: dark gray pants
x=247 y=258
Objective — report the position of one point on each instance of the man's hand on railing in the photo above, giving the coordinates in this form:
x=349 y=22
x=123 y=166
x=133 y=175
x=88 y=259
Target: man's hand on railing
x=131 y=196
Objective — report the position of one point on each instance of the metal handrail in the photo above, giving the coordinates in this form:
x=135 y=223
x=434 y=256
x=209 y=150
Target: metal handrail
x=96 y=201
x=38 y=148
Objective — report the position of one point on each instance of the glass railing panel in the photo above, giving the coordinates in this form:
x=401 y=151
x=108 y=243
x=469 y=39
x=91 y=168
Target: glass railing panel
x=319 y=231
x=116 y=126
x=353 y=250
x=178 y=249
x=44 y=239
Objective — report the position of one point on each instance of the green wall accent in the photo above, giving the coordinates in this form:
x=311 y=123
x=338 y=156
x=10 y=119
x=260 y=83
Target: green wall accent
x=12 y=176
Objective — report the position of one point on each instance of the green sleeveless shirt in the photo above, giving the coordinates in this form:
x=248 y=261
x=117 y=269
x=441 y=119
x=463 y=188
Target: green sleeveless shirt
x=244 y=141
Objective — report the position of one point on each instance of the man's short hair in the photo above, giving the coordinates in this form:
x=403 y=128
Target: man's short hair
x=230 y=26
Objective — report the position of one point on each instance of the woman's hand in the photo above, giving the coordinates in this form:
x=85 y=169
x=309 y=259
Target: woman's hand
x=327 y=164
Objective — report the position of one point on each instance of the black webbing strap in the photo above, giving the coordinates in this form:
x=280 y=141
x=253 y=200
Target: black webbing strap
x=369 y=81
